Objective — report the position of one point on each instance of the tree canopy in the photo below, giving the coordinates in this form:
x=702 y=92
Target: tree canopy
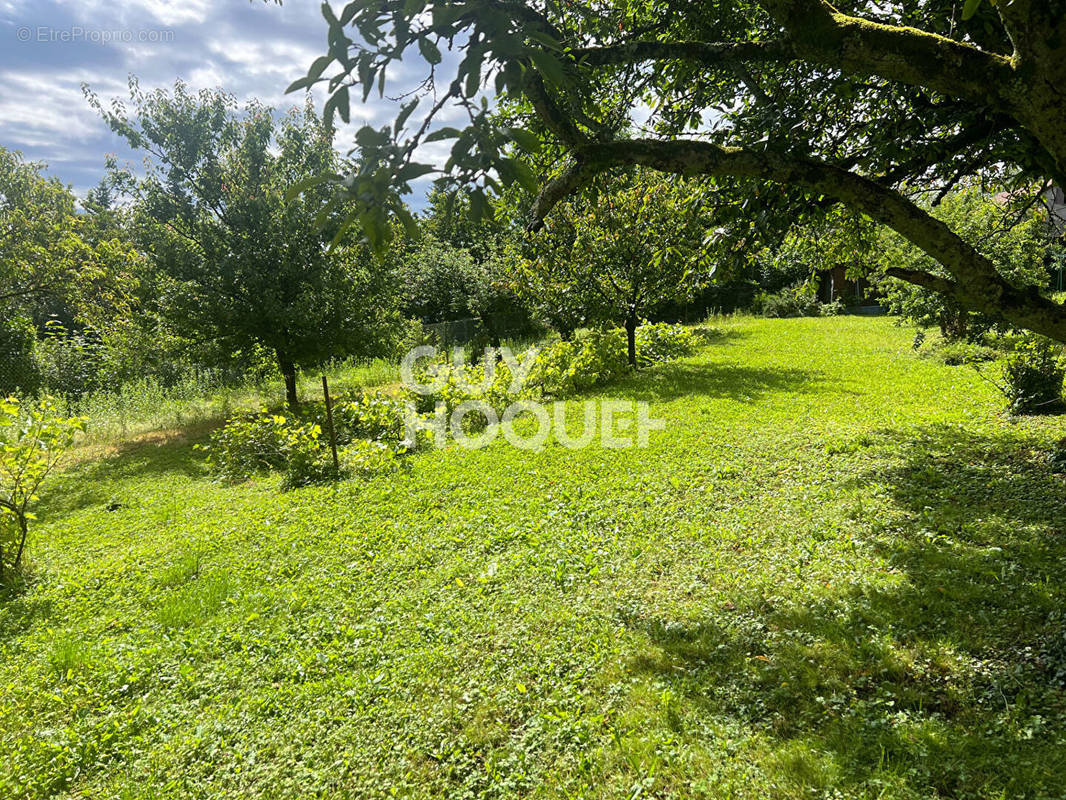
x=248 y=265
x=865 y=104
x=619 y=258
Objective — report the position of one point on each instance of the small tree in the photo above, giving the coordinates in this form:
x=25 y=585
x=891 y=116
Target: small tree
x=250 y=267
x=33 y=440
x=622 y=254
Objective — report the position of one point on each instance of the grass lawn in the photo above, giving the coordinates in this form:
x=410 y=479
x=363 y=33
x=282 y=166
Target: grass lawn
x=838 y=572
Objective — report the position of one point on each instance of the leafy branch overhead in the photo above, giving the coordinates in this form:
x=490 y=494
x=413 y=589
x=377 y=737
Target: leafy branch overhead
x=864 y=105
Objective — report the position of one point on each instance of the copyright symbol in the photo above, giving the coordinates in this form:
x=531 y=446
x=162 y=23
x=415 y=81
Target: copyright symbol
x=24 y=34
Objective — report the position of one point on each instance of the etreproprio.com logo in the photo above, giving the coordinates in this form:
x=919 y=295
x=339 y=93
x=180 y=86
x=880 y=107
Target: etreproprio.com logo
x=618 y=423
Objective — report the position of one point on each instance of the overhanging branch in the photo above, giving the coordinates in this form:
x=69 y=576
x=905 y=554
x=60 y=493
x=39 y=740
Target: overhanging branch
x=975 y=283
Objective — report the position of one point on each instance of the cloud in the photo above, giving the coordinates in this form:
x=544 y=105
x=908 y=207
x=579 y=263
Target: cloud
x=250 y=49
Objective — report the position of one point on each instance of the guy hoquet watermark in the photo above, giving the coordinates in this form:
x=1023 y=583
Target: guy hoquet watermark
x=619 y=423
x=78 y=33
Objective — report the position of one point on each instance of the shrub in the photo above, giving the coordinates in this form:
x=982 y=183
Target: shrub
x=956 y=353
x=1058 y=457
x=70 y=361
x=1033 y=375
x=371 y=415
x=601 y=356
x=368 y=458
x=252 y=443
x=33 y=440
x=796 y=301
x=249 y=444
x=661 y=342
x=19 y=371
x=462 y=383
x=563 y=368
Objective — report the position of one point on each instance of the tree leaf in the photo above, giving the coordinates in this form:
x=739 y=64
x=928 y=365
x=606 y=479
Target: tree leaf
x=430 y=51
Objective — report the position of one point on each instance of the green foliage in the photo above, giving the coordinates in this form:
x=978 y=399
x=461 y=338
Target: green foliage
x=835 y=574
x=616 y=256
x=70 y=361
x=369 y=433
x=258 y=442
x=1015 y=242
x=563 y=368
x=34 y=437
x=955 y=353
x=56 y=261
x=19 y=370
x=1033 y=376
x=662 y=342
x=247 y=265
x=800 y=300
x=376 y=416
x=838 y=238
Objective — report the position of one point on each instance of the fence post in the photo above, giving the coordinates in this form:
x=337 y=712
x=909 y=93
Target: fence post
x=329 y=425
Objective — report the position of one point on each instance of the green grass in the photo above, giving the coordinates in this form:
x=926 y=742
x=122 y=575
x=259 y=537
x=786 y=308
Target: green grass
x=144 y=406
x=837 y=573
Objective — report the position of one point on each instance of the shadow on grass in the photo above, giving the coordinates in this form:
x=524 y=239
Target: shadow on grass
x=89 y=483
x=948 y=680
x=19 y=609
x=674 y=380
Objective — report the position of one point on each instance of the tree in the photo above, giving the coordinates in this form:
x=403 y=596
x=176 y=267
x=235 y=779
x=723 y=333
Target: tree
x=38 y=237
x=849 y=104
x=249 y=266
x=621 y=256
x=459 y=268
x=55 y=261
x=33 y=440
x=1015 y=240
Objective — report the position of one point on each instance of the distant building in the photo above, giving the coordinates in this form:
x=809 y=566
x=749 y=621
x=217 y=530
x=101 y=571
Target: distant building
x=1053 y=199
x=834 y=284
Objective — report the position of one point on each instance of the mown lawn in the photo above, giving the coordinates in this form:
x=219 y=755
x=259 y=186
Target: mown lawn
x=838 y=572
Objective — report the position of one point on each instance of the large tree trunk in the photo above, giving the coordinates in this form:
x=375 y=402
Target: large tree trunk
x=288 y=372
x=631 y=339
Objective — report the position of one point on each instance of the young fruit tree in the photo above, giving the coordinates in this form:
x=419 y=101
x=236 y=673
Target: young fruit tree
x=249 y=266
x=619 y=257
x=33 y=441
x=861 y=104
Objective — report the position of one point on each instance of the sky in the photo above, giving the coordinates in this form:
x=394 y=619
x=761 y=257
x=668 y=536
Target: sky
x=250 y=48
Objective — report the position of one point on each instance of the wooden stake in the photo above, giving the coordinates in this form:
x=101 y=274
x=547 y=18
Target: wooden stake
x=329 y=424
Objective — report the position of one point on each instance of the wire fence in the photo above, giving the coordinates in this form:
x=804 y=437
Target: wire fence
x=501 y=326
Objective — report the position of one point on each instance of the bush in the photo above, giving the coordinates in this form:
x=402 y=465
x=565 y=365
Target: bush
x=19 y=373
x=253 y=443
x=1058 y=457
x=955 y=353
x=563 y=368
x=797 y=301
x=1033 y=376
x=371 y=415
x=33 y=439
x=369 y=433
x=69 y=361
x=464 y=383
x=661 y=342
x=368 y=458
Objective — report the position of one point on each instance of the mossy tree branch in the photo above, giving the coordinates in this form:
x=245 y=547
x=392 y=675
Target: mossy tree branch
x=975 y=282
